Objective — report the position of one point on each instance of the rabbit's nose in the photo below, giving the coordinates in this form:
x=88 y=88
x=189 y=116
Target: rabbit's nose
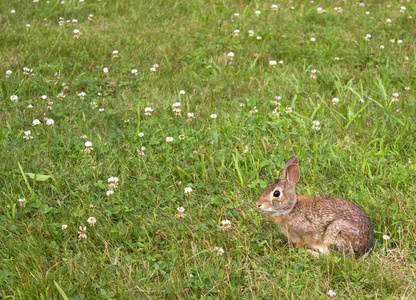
x=258 y=205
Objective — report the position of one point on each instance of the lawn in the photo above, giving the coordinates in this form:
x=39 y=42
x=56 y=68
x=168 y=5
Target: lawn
x=136 y=137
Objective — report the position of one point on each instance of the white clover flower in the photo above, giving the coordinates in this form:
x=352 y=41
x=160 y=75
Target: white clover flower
x=407 y=88
x=81 y=232
x=388 y=20
x=253 y=111
x=250 y=33
x=134 y=71
x=140 y=134
x=313 y=39
x=230 y=55
x=272 y=62
x=395 y=97
x=50 y=122
x=281 y=62
x=182 y=92
x=386 y=237
x=12 y=11
x=113 y=179
x=276 y=113
x=27 y=136
x=181 y=137
x=258 y=37
x=392 y=41
x=169 y=139
x=180 y=214
x=14 y=98
x=190 y=117
x=367 y=37
x=64 y=226
x=22 y=200
x=320 y=10
x=331 y=293
x=101 y=109
x=361 y=100
x=236 y=32
x=381 y=46
x=44 y=97
x=76 y=32
x=399 y=41
x=110 y=192
x=313 y=71
x=213 y=116
x=35 y=122
x=88 y=144
x=336 y=58
x=91 y=221
x=8 y=73
x=148 y=111
x=226 y=225
x=242 y=105
x=219 y=251
x=176 y=104
x=105 y=70
x=114 y=54
x=152 y=69
x=367 y=12
x=335 y=101
x=315 y=125
x=236 y=14
x=188 y=191
x=257 y=12
x=274 y=7
x=30 y=106
x=288 y=110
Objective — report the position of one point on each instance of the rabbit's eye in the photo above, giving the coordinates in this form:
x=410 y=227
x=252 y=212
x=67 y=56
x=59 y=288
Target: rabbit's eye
x=276 y=193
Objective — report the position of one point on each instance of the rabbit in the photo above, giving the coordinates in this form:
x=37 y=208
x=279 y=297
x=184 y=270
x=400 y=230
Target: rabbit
x=318 y=224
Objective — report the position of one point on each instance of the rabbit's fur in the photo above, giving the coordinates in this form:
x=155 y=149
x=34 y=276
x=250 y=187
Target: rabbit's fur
x=321 y=224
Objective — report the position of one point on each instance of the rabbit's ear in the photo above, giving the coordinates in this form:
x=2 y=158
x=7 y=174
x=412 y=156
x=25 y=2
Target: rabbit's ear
x=291 y=171
x=292 y=160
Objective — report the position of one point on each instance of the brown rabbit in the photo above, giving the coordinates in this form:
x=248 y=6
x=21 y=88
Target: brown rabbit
x=321 y=223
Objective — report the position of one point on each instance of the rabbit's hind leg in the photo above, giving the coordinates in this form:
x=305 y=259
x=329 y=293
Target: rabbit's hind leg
x=342 y=236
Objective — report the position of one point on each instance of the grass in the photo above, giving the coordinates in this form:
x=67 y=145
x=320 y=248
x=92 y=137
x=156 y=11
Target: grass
x=364 y=152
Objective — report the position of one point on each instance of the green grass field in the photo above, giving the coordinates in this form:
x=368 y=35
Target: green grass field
x=349 y=66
